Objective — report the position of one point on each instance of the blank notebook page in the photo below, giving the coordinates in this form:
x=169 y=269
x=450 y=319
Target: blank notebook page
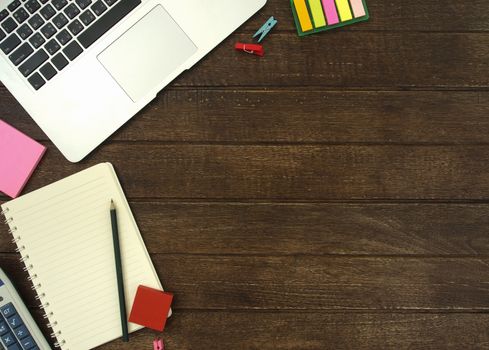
x=65 y=237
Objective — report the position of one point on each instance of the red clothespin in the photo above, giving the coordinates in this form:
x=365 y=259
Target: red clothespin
x=158 y=344
x=253 y=49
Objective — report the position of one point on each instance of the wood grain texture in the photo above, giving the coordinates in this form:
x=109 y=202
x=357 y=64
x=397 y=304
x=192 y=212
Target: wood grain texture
x=310 y=229
x=317 y=331
x=297 y=116
x=302 y=282
x=298 y=330
x=319 y=172
x=355 y=59
x=331 y=195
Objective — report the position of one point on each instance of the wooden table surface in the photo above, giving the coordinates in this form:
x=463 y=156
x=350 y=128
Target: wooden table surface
x=333 y=194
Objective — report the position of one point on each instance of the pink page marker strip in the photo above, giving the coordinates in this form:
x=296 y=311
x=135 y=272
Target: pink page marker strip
x=358 y=8
x=330 y=12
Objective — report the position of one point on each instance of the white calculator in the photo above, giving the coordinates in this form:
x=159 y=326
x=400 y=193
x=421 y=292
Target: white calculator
x=18 y=330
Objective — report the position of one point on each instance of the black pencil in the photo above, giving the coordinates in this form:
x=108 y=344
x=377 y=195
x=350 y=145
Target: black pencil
x=118 y=267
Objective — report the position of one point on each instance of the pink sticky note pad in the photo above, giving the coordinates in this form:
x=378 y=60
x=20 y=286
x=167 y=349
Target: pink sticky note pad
x=19 y=156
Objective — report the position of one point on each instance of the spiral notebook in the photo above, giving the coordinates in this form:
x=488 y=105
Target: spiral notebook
x=63 y=234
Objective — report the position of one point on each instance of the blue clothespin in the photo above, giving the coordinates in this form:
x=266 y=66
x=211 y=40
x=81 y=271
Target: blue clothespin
x=266 y=28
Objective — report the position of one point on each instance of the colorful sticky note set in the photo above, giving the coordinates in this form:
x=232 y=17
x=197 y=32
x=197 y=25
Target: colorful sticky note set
x=313 y=16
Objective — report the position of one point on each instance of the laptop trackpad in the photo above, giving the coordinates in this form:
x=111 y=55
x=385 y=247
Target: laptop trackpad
x=148 y=53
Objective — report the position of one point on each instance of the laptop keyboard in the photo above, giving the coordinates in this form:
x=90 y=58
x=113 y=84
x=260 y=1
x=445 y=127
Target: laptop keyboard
x=41 y=37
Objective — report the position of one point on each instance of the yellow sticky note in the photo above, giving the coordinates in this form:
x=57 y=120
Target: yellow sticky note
x=317 y=13
x=344 y=10
x=303 y=14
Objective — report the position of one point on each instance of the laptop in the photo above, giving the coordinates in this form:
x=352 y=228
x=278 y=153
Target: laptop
x=83 y=68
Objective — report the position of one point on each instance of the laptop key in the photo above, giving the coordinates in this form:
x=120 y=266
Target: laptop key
x=60 y=21
x=83 y=3
x=48 y=30
x=59 y=4
x=17 y=57
x=99 y=7
x=32 y=6
x=72 y=11
x=59 y=61
x=15 y=346
x=24 y=31
x=75 y=27
x=9 y=25
x=87 y=17
x=48 y=71
x=110 y=2
x=37 y=40
x=9 y=44
x=63 y=37
x=33 y=63
x=107 y=21
x=13 y=5
x=21 y=15
x=73 y=50
x=36 y=21
x=3 y=15
x=52 y=47
x=2 y=35
x=47 y=12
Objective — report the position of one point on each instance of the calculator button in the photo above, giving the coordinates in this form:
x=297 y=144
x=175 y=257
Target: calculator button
x=3 y=328
x=14 y=347
x=8 y=310
x=28 y=343
x=21 y=332
x=8 y=339
x=15 y=321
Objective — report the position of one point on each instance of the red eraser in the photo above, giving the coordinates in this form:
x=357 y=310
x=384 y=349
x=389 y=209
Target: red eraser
x=151 y=308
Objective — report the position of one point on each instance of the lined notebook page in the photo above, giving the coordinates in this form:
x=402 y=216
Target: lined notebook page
x=66 y=231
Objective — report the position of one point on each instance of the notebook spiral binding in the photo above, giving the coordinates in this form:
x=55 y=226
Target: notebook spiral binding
x=37 y=287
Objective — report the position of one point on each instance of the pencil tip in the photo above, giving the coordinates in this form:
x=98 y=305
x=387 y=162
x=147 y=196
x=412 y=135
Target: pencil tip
x=112 y=206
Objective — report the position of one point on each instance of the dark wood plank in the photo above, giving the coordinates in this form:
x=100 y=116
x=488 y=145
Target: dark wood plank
x=350 y=59
x=286 y=172
x=226 y=282
x=298 y=116
x=313 y=331
x=309 y=228
x=415 y=15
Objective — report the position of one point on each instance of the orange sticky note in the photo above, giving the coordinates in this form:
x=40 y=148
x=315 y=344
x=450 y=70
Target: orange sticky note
x=303 y=15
